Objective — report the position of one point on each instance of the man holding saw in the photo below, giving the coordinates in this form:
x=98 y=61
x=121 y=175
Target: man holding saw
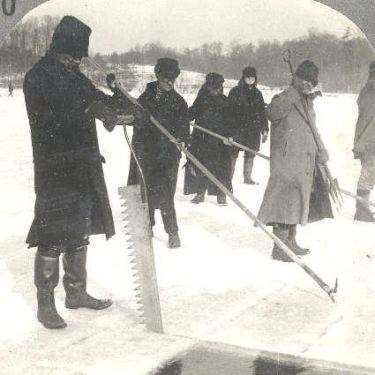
x=71 y=195
x=296 y=192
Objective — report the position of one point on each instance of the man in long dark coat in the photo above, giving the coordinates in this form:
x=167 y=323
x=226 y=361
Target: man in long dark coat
x=158 y=156
x=248 y=119
x=295 y=193
x=209 y=111
x=71 y=195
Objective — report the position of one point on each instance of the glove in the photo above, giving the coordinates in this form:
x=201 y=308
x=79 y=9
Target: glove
x=111 y=81
x=141 y=115
x=125 y=120
x=228 y=142
x=357 y=154
x=315 y=94
x=264 y=136
x=323 y=156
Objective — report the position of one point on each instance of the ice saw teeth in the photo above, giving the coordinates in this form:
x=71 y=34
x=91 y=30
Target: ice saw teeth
x=142 y=259
x=138 y=228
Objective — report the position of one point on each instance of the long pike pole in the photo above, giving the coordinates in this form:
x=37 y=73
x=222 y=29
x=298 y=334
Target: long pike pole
x=327 y=289
x=245 y=148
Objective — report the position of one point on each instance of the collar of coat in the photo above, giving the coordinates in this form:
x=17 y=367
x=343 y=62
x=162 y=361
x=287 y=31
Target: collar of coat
x=151 y=89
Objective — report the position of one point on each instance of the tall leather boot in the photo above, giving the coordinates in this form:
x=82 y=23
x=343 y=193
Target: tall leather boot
x=46 y=278
x=292 y=242
x=75 y=277
x=363 y=212
x=281 y=231
x=248 y=165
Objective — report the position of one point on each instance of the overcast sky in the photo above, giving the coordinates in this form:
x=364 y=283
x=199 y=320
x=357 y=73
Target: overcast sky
x=119 y=25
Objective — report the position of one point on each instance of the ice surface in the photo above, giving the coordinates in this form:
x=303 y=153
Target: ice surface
x=221 y=285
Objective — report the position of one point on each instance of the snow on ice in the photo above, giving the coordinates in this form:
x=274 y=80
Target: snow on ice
x=221 y=285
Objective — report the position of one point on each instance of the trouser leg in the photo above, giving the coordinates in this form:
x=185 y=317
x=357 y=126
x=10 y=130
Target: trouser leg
x=366 y=183
x=168 y=214
x=234 y=156
x=248 y=165
x=46 y=278
x=75 y=281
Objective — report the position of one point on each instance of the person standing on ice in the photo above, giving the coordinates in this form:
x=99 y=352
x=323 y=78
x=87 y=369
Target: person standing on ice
x=158 y=156
x=71 y=196
x=10 y=89
x=248 y=119
x=364 y=146
x=296 y=192
x=209 y=111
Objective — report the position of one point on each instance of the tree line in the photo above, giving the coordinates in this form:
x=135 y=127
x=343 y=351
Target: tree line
x=343 y=61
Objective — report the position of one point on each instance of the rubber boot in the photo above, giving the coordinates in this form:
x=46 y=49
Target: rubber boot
x=221 y=199
x=174 y=241
x=248 y=170
x=75 y=277
x=363 y=212
x=199 y=198
x=282 y=232
x=46 y=278
x=292 y=243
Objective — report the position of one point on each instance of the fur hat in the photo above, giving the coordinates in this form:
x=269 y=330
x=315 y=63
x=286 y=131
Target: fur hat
x=214 y=80
x=249 y=71
x=308 y=71
x=167 y=67
x=71 y=37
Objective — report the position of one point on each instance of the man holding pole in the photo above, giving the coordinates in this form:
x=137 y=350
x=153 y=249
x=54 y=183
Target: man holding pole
x=246 y=109
x=158 y=156
x=296 y=192
x=364 y=147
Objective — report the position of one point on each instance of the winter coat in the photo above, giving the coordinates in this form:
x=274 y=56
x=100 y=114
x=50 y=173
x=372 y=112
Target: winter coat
x=71 y=195
x=364 y=139
x=247 y=113
x=157 y=155
x=294 y=175
x=209 y=112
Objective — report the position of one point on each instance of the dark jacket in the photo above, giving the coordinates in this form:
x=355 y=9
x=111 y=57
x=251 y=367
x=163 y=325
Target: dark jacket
x=71 y=195
x=247 y=113
x=209 y=112
x=156 y=153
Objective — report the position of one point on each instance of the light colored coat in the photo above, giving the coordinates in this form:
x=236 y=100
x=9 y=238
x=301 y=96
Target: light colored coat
x=293 y=159
x=364 y=139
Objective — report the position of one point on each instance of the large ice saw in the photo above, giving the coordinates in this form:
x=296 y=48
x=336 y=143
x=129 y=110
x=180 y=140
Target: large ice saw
x=138 y=229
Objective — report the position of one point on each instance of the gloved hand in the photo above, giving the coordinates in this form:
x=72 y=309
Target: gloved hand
x=323 y=156
x=315 y=94
x=111 y=79
x=228 y=142
x=264 y=136
x=125 y=120
x=357 y=154
x=141 y=115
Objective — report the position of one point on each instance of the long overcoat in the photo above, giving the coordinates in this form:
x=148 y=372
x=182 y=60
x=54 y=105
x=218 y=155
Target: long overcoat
x=210 y=112
x=364 y=138
x=71 y=195
x=296 y=193
x=158 y=156
x=247 y=114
